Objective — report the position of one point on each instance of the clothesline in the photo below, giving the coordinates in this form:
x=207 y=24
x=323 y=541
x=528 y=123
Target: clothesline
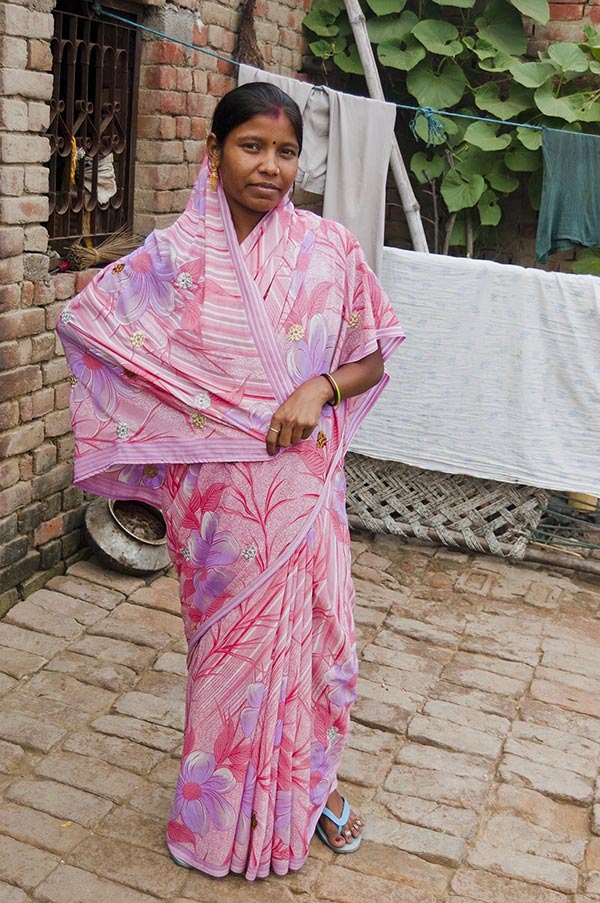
x=428 y=112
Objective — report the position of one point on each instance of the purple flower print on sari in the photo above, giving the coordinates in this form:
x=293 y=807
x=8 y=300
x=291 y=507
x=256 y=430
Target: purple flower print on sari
x=144 y=278
x=304 y=255
x=339 y=497
x=102 y=379
x=246 y=807
x=199 y=796
x=323 y=764
x=283 y=815
x=256 y=420
x=210 y=553
x=311 y=356
x=152 y=476
x=249 y=716
x=342 y=681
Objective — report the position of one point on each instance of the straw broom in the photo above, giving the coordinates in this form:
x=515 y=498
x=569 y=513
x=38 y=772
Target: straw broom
x=119 y=244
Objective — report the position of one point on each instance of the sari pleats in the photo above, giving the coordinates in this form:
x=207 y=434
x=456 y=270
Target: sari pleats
x=267 y=709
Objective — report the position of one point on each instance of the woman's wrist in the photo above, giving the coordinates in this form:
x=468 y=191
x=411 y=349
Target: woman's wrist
x=326 y=390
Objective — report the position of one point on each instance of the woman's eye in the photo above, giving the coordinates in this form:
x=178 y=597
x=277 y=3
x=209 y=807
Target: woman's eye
x=288 y=152
x=250 y=145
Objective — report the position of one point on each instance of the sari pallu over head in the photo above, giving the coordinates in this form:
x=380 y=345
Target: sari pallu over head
x=180 y=352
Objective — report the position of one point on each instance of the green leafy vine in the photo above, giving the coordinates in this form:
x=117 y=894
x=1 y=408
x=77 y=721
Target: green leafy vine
x=469 y=57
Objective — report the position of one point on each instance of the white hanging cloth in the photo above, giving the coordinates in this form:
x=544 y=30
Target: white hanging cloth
x=499 y=377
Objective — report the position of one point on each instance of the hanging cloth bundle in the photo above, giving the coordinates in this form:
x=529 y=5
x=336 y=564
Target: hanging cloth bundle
x=570 y=209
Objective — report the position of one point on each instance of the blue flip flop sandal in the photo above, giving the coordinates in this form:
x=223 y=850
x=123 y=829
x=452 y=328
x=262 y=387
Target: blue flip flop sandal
x=340 y=822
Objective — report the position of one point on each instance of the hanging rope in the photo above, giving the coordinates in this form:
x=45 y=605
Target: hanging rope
x=434 y=127
x=436 y=133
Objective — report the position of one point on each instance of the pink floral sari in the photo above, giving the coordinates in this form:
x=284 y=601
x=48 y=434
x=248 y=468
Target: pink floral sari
x=179 y=355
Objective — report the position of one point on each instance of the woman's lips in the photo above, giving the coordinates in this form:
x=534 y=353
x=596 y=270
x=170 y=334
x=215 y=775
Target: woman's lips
x=265 y=187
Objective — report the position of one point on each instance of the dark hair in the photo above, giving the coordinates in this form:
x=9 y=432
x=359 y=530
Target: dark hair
x=254 y=99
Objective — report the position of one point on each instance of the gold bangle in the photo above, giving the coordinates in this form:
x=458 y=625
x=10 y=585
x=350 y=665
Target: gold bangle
x=337 y=395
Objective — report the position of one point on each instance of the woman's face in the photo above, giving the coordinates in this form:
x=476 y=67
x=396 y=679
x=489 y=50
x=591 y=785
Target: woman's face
x=257 y=164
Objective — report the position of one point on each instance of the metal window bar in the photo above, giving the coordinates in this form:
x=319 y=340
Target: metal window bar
x=92 y=130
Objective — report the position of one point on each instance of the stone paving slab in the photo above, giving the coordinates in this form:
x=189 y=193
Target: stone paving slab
x=474 y=753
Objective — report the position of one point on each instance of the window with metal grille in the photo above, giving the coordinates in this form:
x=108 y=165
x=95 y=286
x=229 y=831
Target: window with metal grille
x=92 y=123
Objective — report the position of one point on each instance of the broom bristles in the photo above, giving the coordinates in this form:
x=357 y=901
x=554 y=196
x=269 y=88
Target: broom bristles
x=119 y=244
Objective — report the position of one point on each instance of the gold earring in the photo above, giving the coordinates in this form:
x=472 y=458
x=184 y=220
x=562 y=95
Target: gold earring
x=213 y=179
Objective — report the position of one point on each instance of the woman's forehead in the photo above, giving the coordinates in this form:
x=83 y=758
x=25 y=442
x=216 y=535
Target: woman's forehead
x=276 y=126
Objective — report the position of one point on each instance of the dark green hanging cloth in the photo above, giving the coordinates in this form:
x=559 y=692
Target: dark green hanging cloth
x=570 y=209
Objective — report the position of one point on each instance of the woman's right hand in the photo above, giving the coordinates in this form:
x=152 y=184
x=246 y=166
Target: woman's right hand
x=297 y=417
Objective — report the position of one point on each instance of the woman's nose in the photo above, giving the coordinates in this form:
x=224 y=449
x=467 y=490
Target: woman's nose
x=269 y=163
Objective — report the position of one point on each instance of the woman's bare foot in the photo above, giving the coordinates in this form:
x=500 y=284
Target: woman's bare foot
x=339 y=837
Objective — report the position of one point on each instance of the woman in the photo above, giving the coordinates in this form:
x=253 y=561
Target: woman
x=222 y=370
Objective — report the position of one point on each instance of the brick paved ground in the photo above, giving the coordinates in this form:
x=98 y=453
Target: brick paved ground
x=474 y=755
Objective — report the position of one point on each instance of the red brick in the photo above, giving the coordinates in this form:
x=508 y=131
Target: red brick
x=40 y=56
x=594 y=15
x=43 y=292
x=84 y=278
x=156 y=127
x=27 y=293
x=21 y=323
x=26 y=467
x=163 y=52
x=9 y=417
x=161 y=177
x=64 y=286
x=19 y=381
x=14 y=497
x=21 y=439
x=58 y=423
x=48 y=530
x=566 y=11
x=9 y=473
x=42 y=402
x=26 y=409
x=55 y=370
x=11 y=270
x=62 y=396
x=10 y=296
x=172 y=102
x=12 y=241
x=44 y=458
x=58 y=478
x=9 y=355
x=42 y=347
x=29 y=209
x=159 y=77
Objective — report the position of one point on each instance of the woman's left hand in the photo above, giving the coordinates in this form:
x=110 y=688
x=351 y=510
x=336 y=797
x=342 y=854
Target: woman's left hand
x=297 y=417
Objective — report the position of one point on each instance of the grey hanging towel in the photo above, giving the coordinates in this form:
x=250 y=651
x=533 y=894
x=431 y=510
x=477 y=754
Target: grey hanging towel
x=345 y=156
x=570 y=210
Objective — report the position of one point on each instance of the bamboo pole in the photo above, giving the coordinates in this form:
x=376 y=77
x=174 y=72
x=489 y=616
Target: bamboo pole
x=410 y=204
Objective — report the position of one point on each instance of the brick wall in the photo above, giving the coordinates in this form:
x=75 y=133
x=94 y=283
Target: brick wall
x=40 y=510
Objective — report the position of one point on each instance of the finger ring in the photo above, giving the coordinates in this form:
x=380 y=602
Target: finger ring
x=273 y=430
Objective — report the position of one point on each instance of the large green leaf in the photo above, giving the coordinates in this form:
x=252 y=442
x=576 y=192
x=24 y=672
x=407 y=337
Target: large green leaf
x=463 y=4
x=459 y=192
x=550 y=105
x=321 y=22
x=438 y=89
x=438 y=37
x=531 y=75
x=568 y=57
x=401 y=54
x=501 y=179
x=349 y=61
x=322 y=48
x=471 y=160
x=458 y=237
x=484 y=135
x=500 y=62
x=501 y=25
x=490 y=212
x=426 y=169
x=530 y=138
x=589 y=111
x=588 y=262
x=482 y=49
x=516 y=101
x=391 y=28
x=535 y=9
x=522 y=160
x=385 y=7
